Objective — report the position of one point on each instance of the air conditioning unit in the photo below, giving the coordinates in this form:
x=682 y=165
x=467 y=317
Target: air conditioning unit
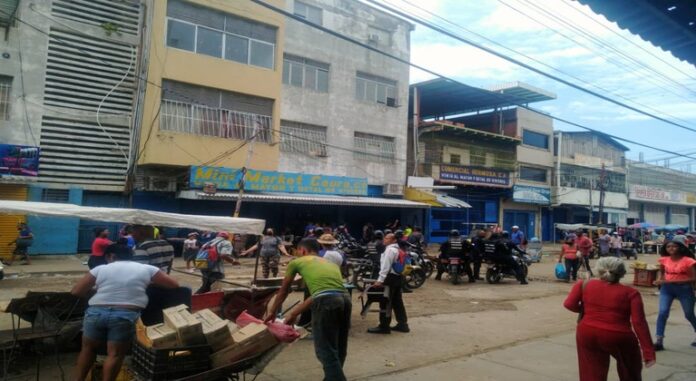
x=391 y=102
x=373 y=37
x=160 y=184
x=393 y=190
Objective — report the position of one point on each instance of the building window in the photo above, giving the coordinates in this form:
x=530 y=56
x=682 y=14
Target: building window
x=533 y=174
x=55 y=195
x=535 y=139
x=378 y=36
x=5 y=91
x=375 y=89
x=308 y=12
x=477 y=157
x=213 y=33
x=303 y=138
x=303 y=72
x=375 y=148
x=455 y=159
x=215 y=113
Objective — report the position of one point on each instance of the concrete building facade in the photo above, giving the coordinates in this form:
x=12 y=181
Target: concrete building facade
x=344 y=107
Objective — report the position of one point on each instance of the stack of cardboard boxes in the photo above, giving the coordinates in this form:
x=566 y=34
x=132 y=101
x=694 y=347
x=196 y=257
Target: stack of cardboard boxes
x=229 y=343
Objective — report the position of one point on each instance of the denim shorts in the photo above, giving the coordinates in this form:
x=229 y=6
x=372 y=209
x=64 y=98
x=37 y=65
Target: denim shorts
x=112 y=324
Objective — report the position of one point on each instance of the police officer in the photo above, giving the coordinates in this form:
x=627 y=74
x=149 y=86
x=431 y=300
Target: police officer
x=375 y=248
x=499 y=249
x=477 y=252
x=455 y=246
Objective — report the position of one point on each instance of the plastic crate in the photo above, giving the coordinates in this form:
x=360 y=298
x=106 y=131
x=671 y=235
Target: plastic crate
x=211 y=300
x=644 y=277
x=170 y=363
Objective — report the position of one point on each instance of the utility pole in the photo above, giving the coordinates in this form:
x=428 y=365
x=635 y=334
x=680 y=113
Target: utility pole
x=590 y=220
x=602 y=190
x=250 y=153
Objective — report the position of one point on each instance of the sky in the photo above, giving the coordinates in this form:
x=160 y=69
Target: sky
x=587 y=49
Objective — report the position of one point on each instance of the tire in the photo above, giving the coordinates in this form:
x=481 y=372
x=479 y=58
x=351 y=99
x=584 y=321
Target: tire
x=493 y=276
x=415 y=279
x=525 y=271
x=455 y=277
x=429 y=268
x=2 y=274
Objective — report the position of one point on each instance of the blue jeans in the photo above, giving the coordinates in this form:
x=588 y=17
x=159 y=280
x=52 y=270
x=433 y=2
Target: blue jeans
x=330 y=326
x=110 y=324
x=669 y=292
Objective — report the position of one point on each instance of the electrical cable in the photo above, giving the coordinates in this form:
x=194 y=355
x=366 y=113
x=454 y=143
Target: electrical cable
x=500 y=55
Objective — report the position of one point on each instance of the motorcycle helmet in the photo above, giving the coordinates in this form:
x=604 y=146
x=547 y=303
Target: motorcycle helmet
x=387 y=231
x=506 y=234
x=378 y=234
x=454 y=233
x=318 y=231
x=399 y=234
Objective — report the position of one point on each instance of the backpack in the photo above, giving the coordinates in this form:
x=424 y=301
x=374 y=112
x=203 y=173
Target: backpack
x=207 y=257
x=402 y=264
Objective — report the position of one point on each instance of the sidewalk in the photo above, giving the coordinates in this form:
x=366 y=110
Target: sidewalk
x=554 y=359
x=49 y=264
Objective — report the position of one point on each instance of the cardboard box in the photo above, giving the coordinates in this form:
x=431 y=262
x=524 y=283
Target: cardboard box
x=188 y=329
x=162 y=336
x=249 y=341
x=215 y=329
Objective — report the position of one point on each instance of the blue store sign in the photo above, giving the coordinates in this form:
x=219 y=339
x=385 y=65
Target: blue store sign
x=272 y=181
x=531 y=195
x=474 y=176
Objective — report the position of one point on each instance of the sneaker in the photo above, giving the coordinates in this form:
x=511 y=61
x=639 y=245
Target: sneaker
x=379 y=330
x=693 y=343
x=401 y=328
x=659 y=347
x=524 y=282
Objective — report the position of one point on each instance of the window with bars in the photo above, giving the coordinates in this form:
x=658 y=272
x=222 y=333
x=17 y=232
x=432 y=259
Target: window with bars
x=5 y=92
x=217 y=34
x=303 y=138
x=55 y=195
x=303 y=72
x=308 y=12
x=477 y=157
x=375 y=89
x=206 y=111
x=370 y=147
x=455 y=159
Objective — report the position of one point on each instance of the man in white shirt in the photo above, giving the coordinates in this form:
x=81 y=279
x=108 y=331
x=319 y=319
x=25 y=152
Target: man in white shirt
x=393 y=298
x=216 y=271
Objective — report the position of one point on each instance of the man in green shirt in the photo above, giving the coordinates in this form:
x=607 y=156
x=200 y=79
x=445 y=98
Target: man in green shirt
x=330 y=303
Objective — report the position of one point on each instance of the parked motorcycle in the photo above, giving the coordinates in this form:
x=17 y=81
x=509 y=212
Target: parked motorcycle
x=496 y=272
x=455 y=270
x=416 y=277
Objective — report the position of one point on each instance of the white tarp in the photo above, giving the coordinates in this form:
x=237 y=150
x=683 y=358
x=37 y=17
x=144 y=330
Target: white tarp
x=573 y=227
x=135 y=216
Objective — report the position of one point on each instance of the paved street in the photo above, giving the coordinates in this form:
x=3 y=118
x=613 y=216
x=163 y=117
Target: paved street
x=464 y=332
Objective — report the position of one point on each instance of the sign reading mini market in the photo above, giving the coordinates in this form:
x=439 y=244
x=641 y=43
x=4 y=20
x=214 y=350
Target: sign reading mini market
x=474 y=176
x=272 y=181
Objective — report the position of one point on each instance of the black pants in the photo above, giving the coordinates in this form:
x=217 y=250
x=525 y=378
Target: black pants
x=586 y=262
x=393 y=302
x=509 y=261
x=95 y=261
x=330 y=326
x=572 y=266
x=208 y=279
x=476 y=261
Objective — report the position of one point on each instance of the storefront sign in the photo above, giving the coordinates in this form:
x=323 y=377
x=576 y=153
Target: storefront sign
x=641 y=192
x=271 y=181
x=19 y=160
x=531 y=195
x=474 y=176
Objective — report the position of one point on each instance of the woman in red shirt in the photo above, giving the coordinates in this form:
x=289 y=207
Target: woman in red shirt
x=676 y=278
x=101 y=241
x=569 y=254
x=612 y=324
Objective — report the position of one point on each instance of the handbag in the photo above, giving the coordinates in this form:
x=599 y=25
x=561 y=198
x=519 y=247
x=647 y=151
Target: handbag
x=581 y=314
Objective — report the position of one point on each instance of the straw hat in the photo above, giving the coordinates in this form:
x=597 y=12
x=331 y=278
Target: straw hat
x=193 y=234
x=327 y=239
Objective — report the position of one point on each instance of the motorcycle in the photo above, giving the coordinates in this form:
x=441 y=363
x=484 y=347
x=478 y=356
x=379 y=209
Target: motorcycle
x=455 y=270
x=496 y=272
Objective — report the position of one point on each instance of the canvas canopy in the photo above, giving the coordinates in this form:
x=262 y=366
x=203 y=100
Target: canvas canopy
x=573 y=227
x=135 y=216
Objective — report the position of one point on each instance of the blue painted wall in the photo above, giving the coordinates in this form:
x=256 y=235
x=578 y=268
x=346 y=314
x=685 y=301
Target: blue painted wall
x=54 y=235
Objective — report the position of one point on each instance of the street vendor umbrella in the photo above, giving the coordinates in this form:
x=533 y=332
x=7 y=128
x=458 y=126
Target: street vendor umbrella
x=642 y=225
x=672 y=227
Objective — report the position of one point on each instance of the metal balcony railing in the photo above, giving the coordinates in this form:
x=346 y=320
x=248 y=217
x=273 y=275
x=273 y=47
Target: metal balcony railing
x=200 y=120
x=303 y=140
x=5 y=101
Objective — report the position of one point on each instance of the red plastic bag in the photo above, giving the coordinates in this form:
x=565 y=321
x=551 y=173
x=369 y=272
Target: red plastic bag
x=282 y=332
x=245 y=319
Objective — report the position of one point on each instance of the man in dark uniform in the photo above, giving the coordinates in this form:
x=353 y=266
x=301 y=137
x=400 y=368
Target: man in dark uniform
x=456 y=247
x=499 y=249
x=477 y=252
x=375 y=248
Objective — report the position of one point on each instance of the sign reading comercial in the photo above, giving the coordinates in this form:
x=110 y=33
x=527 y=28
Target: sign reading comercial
x=19 y=160
x=642 y=192
x=474 y=176
x=272 y=181
x=531 y=195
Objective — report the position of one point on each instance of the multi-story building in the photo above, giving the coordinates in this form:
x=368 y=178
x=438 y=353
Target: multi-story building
x=69 y=86
x=585 y=161
x=660 y=195
x=471 y=140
